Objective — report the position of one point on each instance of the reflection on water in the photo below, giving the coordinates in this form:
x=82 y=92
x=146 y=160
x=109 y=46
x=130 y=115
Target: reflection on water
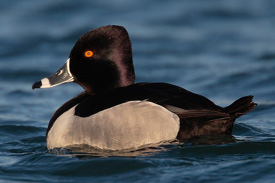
x=148 y=150
x=211 y=140
x=86 y=150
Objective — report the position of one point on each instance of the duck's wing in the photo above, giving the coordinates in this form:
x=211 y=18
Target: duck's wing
x=192 y=113
x=178 y=100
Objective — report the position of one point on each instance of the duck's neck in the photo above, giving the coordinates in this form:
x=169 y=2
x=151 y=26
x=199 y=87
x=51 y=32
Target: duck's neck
x=105 y=84
x=97 y=90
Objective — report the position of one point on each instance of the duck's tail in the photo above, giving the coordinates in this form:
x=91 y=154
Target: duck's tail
x=241 y=106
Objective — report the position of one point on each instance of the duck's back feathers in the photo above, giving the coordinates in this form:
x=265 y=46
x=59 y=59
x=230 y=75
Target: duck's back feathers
x=160 y=93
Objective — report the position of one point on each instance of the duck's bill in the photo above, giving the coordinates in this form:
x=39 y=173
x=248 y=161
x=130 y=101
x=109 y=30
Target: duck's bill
x=63 y=75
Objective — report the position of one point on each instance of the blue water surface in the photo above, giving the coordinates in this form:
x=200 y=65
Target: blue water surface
x=220 y=49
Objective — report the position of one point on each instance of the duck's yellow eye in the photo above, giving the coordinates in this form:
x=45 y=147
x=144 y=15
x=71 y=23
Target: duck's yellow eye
x=88 y=53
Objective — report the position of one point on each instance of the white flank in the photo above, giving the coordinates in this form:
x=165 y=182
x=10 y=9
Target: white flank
x=125 y=126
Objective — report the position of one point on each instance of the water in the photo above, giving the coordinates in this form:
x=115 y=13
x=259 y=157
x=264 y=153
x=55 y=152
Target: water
x=220 y=49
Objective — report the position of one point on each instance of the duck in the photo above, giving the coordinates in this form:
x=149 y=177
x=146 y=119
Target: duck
x=115 y=113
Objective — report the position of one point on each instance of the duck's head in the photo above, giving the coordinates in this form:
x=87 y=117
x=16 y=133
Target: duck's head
x=100 y=60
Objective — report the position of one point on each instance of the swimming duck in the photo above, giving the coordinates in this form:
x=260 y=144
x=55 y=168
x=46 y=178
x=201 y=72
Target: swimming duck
x=114 y=113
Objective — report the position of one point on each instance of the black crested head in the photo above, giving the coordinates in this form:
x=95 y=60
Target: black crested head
x=102 y=59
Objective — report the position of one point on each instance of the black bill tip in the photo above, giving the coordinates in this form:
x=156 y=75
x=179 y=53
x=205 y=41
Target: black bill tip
x=37 y=85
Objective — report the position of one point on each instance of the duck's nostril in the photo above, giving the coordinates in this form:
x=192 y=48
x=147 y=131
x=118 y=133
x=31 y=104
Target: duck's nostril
x=59 y=72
